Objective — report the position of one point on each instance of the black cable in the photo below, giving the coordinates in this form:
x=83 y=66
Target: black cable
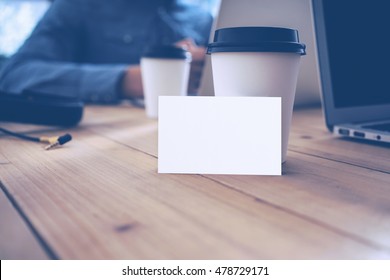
x=52 y=141
x=20 y=135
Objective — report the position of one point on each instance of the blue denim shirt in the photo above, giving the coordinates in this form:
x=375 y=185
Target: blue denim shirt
x=81 y=48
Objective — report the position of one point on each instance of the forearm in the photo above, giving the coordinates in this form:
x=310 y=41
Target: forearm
x=87 y=82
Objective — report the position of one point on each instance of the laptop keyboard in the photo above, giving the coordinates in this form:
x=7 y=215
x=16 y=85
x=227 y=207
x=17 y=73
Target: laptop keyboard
x=381 y=127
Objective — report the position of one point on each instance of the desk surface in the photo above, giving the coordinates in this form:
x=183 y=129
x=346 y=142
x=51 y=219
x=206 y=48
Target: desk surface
x=100 y=197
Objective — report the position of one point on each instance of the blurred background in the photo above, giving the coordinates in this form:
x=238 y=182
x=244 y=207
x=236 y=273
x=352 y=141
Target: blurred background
x=19 y=17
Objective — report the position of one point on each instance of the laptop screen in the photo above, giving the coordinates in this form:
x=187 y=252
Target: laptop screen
x=358 y=44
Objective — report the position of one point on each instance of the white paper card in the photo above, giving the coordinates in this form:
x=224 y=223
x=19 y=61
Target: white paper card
x=219 y=135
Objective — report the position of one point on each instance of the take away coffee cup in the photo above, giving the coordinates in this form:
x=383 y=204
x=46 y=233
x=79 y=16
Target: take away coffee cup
x=165 y=70
x=258 y=61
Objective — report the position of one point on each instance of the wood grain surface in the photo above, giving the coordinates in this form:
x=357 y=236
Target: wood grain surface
x=100 y=196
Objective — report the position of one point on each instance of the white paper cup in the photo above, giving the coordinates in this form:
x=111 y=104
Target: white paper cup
x=258 y=61
x=165 y=71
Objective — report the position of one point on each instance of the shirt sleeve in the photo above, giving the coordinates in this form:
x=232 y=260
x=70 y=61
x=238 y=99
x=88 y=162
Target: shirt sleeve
x=50 y=61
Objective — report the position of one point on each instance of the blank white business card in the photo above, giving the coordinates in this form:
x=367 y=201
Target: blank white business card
x=219 y=135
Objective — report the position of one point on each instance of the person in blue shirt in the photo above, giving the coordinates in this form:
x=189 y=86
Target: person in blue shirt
x=91 y=49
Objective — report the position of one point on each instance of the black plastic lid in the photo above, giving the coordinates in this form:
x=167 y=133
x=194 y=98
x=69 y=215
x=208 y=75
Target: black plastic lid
x=167 y=51
x=256 y=39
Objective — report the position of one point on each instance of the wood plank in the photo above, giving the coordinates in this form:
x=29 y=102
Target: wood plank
x=96 y=198
x=349 y=199
x=16 y=240
x=345 y=198
x=310 y=136
x=140 y=132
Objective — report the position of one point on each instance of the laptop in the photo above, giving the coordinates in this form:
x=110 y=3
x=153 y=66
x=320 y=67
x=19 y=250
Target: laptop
x=294 y=14
x=354 y=65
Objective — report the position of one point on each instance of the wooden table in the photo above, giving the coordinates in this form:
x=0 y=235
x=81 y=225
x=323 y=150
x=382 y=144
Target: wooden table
x=100 y=197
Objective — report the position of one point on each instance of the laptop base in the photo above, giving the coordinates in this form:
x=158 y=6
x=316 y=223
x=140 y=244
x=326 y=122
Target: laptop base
x=363 y=132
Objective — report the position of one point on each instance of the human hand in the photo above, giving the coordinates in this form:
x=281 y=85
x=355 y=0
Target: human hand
x=132 y=83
